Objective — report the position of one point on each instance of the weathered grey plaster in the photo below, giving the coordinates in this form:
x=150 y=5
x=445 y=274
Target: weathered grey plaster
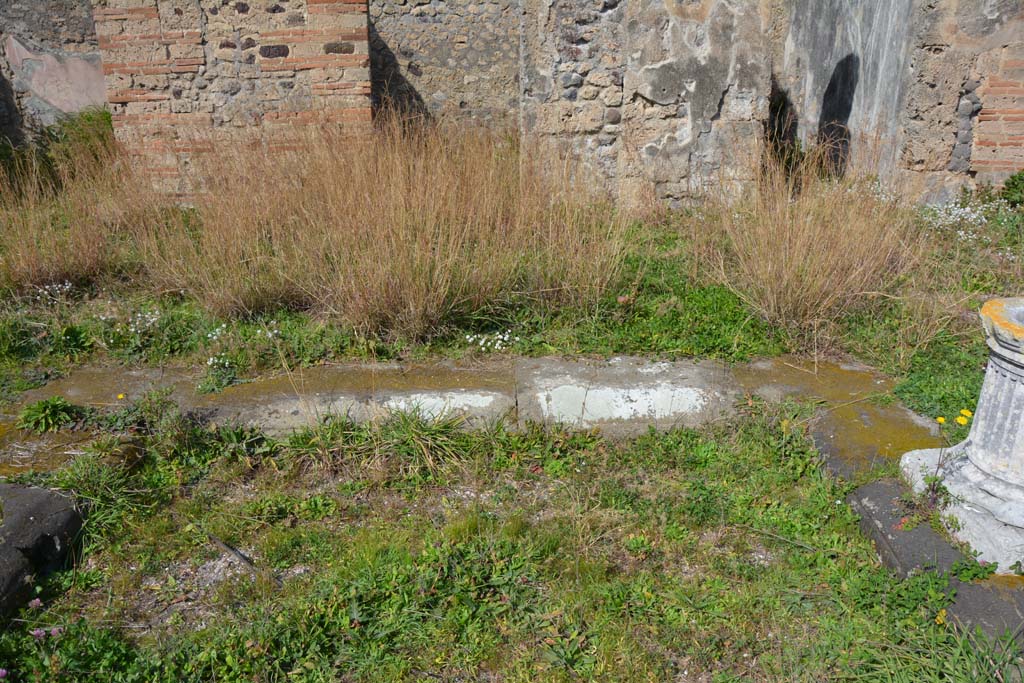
x=697 y=80
x=862 y=50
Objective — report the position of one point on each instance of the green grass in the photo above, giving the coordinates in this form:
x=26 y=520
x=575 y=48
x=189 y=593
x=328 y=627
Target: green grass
x=408 y=550
x=656 y=309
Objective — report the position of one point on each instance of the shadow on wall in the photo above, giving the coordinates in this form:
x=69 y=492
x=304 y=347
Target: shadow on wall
x=12 y=126
x=388 y=85
x=836 y=105
x=782 y=125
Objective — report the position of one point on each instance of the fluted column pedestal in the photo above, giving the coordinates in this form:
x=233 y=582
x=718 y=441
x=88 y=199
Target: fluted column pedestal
x=985 y=473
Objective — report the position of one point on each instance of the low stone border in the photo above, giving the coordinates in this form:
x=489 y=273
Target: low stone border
x=994 y=608
x=622 y=396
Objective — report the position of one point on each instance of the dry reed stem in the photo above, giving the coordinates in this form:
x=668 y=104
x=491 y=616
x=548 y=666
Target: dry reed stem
x=396 y=235
x=67 y=220
x=804 y=249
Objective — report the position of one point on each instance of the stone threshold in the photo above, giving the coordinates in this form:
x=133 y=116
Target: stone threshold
x=995 y=605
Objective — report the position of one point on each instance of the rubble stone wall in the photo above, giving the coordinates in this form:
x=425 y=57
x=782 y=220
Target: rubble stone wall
x=447 y=57
x=668 y=94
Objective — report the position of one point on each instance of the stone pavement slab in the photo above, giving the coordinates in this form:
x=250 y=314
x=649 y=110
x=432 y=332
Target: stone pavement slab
x=624 y=395
x=995 y=605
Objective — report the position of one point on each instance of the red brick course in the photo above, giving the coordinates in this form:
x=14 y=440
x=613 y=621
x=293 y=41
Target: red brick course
x=180 y=79
x=998 y=149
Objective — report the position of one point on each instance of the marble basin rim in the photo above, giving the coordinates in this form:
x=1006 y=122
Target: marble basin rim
x=1003 y=320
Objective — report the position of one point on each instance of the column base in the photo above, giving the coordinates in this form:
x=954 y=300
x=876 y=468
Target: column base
x=988 y=512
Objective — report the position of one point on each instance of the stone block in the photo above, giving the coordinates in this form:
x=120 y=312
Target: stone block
x=623 y=396
x=39 y=531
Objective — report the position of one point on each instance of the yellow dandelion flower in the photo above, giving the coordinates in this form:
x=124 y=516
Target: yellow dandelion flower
x=120 y=397
x=941 y=420
x=961 y=420
x=966 y=413
x=940 y=618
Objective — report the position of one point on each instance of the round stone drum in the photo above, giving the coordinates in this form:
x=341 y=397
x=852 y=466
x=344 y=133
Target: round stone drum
x=984 y=474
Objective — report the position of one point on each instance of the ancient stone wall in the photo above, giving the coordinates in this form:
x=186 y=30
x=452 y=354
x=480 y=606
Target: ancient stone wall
x=49 y=63
x=447 y=57
x=182 y=74
x=842 y=68
x=656 y=94
x=932 y=92
x=669 y=94
x=960 y=86
x=650 y=93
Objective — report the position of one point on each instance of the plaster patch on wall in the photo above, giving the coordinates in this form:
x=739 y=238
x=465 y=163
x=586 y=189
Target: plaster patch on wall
x=55 y=84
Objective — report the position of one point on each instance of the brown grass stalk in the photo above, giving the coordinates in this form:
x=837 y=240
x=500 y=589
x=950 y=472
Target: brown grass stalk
x=804 y=248
x=64 y=215
x=397 y=234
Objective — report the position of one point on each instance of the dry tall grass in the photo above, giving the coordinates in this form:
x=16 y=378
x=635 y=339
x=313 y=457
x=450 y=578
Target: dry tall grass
x=803 y=248
x=65 y=212
x=396 y=234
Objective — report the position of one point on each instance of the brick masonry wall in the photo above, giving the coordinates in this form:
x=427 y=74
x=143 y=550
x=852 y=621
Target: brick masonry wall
x=998 y=148
x=182 y=74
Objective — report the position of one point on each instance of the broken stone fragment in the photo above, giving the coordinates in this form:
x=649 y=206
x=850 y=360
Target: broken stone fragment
x=38 y=531
x=571 y=80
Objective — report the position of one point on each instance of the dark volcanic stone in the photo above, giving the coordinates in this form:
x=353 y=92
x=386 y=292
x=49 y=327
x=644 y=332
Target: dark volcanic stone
x=38 y=531
x=905 y=550
x=994 y=608
x=273 y=51
x=340 y=48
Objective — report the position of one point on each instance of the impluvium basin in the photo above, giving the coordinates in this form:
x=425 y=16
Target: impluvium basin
x=984 y=474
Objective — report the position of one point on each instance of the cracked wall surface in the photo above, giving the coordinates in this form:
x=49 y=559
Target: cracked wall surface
x=49 y=63
x=874 y=39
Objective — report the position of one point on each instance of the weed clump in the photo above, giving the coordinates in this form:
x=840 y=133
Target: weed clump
x=49 y=415
x=1013 y=189
x=397 y=237
x=805 y=248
